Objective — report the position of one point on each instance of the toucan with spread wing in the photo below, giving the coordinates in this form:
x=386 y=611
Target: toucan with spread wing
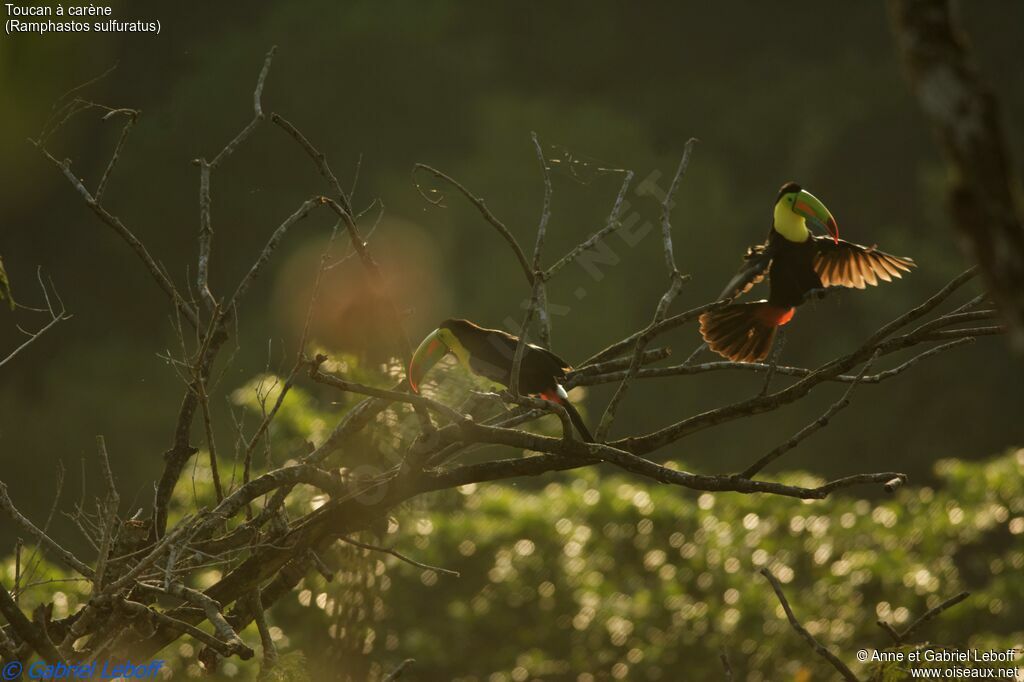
x=490 y=354
x=797 y=263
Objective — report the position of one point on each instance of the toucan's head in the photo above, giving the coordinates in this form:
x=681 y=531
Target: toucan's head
x=438 y=343
x=796 y=205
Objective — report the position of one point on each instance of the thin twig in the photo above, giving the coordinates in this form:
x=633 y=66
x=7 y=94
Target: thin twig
x=676 y=285
x=802 y=631
x=676 y=281
x=57 y=315
x=377 y=277
x=110 y=505
x=210 y=607
x=132 y=116
x=773 y=361
x=397 y=672
x=613 y=223
x=257 y=107
x=931 y=614
x=268 y=250
x=399 y=555
x=226 y=649
x=478 y=202
x=540 y=289
x=819 y=423
x=44 y=540
x=260 y=617
x=547 y=406
x=666 y=208
x=723 y=656
x=125 y=234
x=184 y=528
x=26 y=630
x=318 y=157
x=796 y=391
x=413 y=399
x=19 y=544
x=566 y=455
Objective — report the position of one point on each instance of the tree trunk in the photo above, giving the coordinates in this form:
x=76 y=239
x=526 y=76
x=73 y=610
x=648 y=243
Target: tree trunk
x=983 y=191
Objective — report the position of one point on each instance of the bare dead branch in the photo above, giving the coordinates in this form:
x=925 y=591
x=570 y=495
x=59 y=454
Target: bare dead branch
x=773 y=360
x=226 y=649
x=619 y=347
x=269 y=248
x=676 y=281
x=205 y=168
x=181 y=530
x=574 y=454
x=57 y=315
x=131 y=116
x=618 y=364
x=44 y=540
x=801 y=435
x=547 y=406
x=394 y=396
x=318 y=157
x=666 y=209
x=723 y=656
x=269 y=650
x=400 y=556
x=613 y=223
x=398 y=671
x=125 y=234
x=8 y=649
x=636 y=360
x=760 y=404
x=267 y=419
x=540 y=301
x=24 y=628
x=405 y=347
x=819 y=649
x=257 y=107
x=19 y=545
x=210 y=607
x=929 y=615
x=478 y=202
x=110 y=508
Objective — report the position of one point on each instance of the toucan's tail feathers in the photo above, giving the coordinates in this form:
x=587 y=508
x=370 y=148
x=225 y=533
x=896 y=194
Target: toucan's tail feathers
x=562 y=398
x=743 y=332
x=577 y=421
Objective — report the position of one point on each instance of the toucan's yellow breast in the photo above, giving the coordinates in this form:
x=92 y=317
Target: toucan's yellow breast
x=791 y=226
x=456 y=347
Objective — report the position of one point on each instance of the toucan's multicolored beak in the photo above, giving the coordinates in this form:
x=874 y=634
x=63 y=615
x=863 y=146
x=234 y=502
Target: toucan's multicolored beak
x=811 y=208
x=429 y=353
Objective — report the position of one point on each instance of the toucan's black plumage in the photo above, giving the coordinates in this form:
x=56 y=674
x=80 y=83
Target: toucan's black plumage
x=490 y=353
x=797 y=263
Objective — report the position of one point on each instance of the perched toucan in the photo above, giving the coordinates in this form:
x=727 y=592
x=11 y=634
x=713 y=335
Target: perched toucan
x=797 y=263
x=490 y=354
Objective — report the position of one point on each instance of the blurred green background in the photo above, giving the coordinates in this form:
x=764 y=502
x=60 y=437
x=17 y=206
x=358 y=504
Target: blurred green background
x=774 y=91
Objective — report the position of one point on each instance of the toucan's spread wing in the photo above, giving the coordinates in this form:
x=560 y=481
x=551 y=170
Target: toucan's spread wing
x=754 y=268
x=845 y=264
